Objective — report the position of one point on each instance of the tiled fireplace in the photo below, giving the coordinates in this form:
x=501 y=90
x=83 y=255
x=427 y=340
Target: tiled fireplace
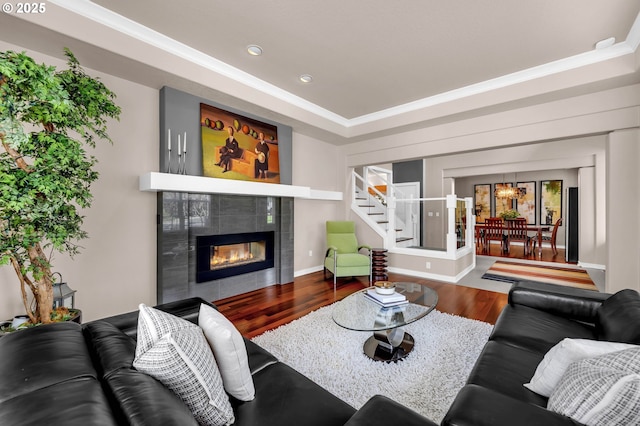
x=216 y=245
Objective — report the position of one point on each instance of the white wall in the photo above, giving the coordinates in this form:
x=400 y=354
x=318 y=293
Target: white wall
x=318 y=165
x=591 y=114
x=116 y=269
x=591 y=230
x=623 y=209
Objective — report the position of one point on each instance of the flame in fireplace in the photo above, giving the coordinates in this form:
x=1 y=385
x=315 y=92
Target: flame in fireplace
x=233 y=257
x=229 y=255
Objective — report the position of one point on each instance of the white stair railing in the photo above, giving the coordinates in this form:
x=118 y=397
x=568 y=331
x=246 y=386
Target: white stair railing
x=370 y=208
x=369 y=200
x=379 y=210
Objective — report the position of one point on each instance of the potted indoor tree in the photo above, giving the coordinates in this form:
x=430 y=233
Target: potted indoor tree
x=47 y=119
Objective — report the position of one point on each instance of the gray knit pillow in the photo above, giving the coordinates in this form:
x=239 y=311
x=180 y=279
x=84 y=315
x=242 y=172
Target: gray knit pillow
x=604 y=390
x=176 y=353
x=153 y=324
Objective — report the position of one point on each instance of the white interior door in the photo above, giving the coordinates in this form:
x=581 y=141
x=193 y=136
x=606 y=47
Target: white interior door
x=408 y=214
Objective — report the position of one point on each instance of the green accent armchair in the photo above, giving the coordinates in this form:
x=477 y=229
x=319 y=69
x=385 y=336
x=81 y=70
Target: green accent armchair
x=343 y=258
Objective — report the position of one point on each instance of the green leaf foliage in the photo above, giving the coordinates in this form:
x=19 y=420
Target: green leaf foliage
x=47 y=119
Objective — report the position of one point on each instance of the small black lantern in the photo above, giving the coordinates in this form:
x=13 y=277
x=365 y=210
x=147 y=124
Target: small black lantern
x=63 y=295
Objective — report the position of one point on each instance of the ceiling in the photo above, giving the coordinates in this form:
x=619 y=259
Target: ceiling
x=370 y=60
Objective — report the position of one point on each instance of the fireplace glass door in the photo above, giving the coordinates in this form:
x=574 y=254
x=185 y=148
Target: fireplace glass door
x=225 y=255
x=220 y=256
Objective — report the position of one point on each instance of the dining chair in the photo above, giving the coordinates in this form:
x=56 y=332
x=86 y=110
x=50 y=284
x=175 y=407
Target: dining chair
x=551 y=238
x=493 y=231
x=479 y=237
x=517 y=231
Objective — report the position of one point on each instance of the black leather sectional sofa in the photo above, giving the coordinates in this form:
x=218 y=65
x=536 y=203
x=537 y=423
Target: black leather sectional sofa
x=537 y=317
x=67 y=374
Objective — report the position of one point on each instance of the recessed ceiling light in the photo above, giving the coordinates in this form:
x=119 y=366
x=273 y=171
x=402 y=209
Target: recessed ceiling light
x=306 y=78
x=254 y=50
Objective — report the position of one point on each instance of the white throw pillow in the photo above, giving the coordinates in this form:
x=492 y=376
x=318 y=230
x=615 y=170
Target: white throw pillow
x=229 y=351
x=604 y=390
x=557 y=360
x=176 y=353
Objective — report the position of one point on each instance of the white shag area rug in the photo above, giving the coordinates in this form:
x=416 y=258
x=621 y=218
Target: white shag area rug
x=427 y=381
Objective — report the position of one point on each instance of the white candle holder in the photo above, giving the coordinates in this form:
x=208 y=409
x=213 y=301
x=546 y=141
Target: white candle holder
x=169 y=162
x=182 y=155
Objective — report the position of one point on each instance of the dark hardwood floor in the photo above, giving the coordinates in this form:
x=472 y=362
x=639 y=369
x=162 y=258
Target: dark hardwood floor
x=517 y=252
x=261 y=310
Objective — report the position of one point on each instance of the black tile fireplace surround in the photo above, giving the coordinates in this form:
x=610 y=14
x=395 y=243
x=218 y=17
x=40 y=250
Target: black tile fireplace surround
x=184 y=219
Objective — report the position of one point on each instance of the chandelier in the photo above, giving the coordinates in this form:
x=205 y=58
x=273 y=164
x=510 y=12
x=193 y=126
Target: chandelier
x=507 y=192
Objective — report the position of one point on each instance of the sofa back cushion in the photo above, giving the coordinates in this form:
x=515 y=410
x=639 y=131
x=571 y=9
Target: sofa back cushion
x=40 y=357
x=142 y=400
x=110 y=348
x=136 y=398
x=185 y=308
x=618 y=318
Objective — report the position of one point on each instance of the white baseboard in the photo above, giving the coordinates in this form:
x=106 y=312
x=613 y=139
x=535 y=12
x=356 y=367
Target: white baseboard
x=431 y=276
x=307 y=271
x=592 y=265
x=410 y=272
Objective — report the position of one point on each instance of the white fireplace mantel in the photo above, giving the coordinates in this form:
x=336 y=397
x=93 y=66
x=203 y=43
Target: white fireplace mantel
x=159 y=182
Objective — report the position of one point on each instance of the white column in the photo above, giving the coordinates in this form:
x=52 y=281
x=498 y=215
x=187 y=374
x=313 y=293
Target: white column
x=623 y=211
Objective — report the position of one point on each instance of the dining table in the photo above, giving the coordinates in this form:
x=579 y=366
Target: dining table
x=538 y=229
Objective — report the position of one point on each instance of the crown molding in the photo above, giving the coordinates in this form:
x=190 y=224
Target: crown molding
x=133 y=29
x=147 y=35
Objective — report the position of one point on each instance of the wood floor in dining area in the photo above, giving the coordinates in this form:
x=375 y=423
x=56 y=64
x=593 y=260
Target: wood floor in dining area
x=255 y=312
x=516 y=251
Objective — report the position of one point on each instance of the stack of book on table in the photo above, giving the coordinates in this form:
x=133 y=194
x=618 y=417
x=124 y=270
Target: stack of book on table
x=386 y=300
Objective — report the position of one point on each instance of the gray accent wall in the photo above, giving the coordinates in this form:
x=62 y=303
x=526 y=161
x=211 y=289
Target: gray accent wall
x=409 y=171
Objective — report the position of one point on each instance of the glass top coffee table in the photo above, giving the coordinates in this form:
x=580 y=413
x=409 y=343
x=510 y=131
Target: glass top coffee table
x=389 y=341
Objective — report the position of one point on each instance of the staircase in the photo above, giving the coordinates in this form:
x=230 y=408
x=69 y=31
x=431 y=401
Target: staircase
x=371 y=194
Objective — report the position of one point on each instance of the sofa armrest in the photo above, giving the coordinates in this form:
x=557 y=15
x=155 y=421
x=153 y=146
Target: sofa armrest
x=568 y=302
x=382 y=411
x=478 y=406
